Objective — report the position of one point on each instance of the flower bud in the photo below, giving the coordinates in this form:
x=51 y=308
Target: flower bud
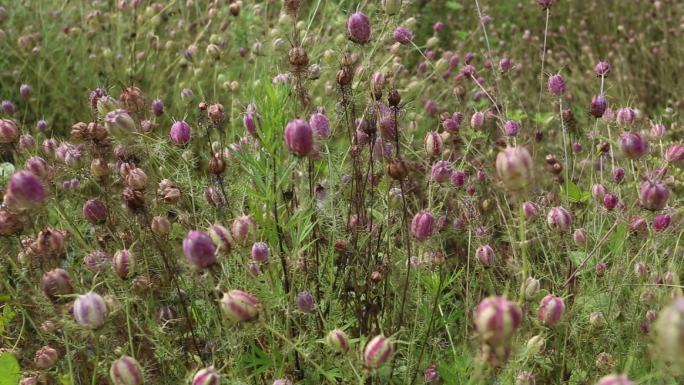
x=126 y=371
x=511 y=127
x=658 y=130
x=653 y=195
x=515 y=168
x=305 y=302
x=675 y=154
x=551 y=309
x=598 y=191
x=90 y=310
x=559 y=219
x=338 y=341
x=299 y=137
x=206 y=376
x=199 y=249
x=95 y=211
x=615 y=379
x=422 y=225
x=56 y=283
x=239 y=306
x=359 y=28
x=24 y=191
x=180 y=133
x=633 y=144
x=45 y=357
x=485 y=254
x=123 y=262
x=496 y=320
x=531 y=210
x=243 y=229
x=378 y=350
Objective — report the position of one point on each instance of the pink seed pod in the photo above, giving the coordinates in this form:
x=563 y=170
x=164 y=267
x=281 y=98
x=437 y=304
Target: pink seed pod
x=123 y=263
x=249 y=122
x=618 y=174
x=239 y=306
x=559 y=219
x=95 y=211
x=505 y=65
x=625 y=116
x=38 y=166
x=56 y=283
x=180 y=133
x=260 y=252
x=299 y=137
x=305 y=302
x=525 y=378
x=598 y=191
x=638 y=225
x=199 y=249
x=90 y=310
x=531 y=210
x=551 y=309
x=24 y=191
x=602 y=69
x=477 y=120
x=243 y=229
x=377 y=83
x=633 y=144
x=320 y=125
x=598 y=106
x=556 y=85
x=433 y=144
x=359 y=28
x=25 y=91
x=580 y=237
x=515 y=168
x=511 y=127
x=661 y=222
x=338 y=341
x=126 y=371
x=96 y=261
x=221 y=237
x=496 y=320
x=615 y=379
x=441 y=171
x=8 y=131
x=402 y=35
x=532 y=287
x=485 y=254
x=653 y=195
x=157 y=107
x=610 y=200
x=206 y=376
x=422 y=225
x=458 y=178
x=160 y=226
x=26 y=142
x=377 y=352
x=45 y=357
x=675 y=154
x=658 y=130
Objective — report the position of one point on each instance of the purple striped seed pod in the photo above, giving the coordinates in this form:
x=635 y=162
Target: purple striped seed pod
x=556 y=85
x=496 y=320
x=221 y=238
x=669 y=331
x=378 y=350
x=658 y=130
x=433 y=144
x=402 y=35
x=26 y=142
x=615 y=379
x=515 y=167
x=610 y=200
x=338 y=341
x=299 y=137
x=532 y=286
x=160 y=226
x=95 y=211
x=239 y=306
x=320 y=125
x=422 y=225
x=531 y=210
x=661 y=222
x=625 y=116
x=675 y=154
x=653 y=195
x=511 y=127
x=206 y=376
x=180 y=133
x=157 y=107
x=305 y=302
x=55 y=283
x=441 y=171
x=598 y=106
x=96 y=261
x=90 y=310
x=559 y=219
x=45 y=357
x=126 y=371
x=8 y=131
x=24 y=191
x=477 y=120
x=580 y=237
x=458 y=178
x=167 y=314
x=243 y=229
x=260 y=252
x=359 y=28
x=598 y=191
x=199 y=249
x=633 y=144
x=485 y=254
x=602 y=69
x=551 y=309
x=123 y=263
x=38 y=166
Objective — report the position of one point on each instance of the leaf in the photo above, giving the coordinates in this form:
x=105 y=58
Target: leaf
x=64 y=379
x=575 y=194
x=617 y=240
x=10 y=373
x=454 y=5
x=6 y=169
x=577 y=257
x=543 y=117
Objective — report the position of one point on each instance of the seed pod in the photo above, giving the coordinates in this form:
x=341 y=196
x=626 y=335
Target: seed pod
x=320 y=125
x=243 y=229
x=615 y=379
x=90 y=310
x=633 y=145
x=669 y=332
x=597 y=319
x=422 y=225
x=55 y=283
x=160 y=226
x=525 y=378
x=625 y=116
x=559 y=219
x=305 y=302
x=551 y=309
x=653 y=195
x=441 y=171
x=477 y=120
x=515 y=168
x=119 y=122
x=206 y=376
x=359 y=28
x=260 y=252
x=338 y=341
x=8 y=131
x=95 y=211
x=556 y=85
x=180 y=133
x=199 y=249
x=485 y=254
x=126 y=371
x=496 y=320
x=598 y=106
x=433 y=144
x=123 y=263
x=299 y=137
x=239 y=306
x=45 y=357
x=378 y=350
x=24 y=191
x=96 y=261
x=661 y=222
x=535 y=345
x=531 y=210
x=532 y=286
